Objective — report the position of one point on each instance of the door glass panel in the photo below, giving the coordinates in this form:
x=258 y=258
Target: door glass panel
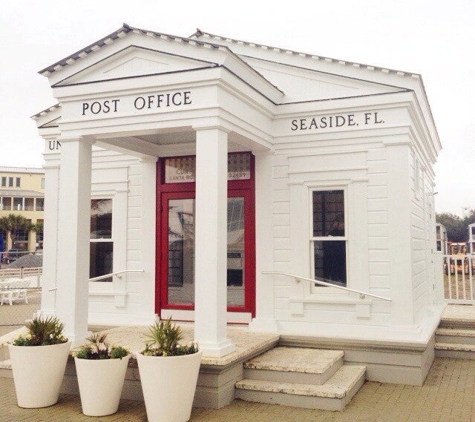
x=181 y=251
x=235 y=272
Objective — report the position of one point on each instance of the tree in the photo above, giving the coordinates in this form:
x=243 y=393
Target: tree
x=13 y=223
x=457 y=227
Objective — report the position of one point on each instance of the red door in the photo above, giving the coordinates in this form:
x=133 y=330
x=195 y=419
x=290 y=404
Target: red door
x=175 y=243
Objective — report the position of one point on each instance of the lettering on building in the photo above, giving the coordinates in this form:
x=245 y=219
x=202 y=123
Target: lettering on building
x=139 y=103
x=337 y=121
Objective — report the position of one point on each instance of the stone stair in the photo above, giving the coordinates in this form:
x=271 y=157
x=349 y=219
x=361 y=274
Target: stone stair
x=300 y=377
x=455 y=341
x=455 y=337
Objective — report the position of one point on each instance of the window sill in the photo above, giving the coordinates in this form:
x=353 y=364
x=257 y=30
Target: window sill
x=107 y=289
x=362 y=306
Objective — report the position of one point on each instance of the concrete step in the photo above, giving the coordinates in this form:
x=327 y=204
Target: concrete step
x=455 y=350
x=455 y=336
x=335 y=394
x=294 y=365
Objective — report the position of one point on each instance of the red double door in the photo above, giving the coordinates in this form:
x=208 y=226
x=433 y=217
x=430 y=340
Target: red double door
x=175 y=278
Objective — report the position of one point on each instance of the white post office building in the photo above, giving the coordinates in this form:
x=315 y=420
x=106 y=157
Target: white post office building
x=214 y=180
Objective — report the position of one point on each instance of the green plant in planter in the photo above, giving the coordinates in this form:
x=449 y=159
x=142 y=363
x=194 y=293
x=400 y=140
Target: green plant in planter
x=98 y=348
x=42 y=331
x=164 y=337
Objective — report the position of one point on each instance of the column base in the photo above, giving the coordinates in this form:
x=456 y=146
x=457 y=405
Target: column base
x=263 y=325
x=217 y=350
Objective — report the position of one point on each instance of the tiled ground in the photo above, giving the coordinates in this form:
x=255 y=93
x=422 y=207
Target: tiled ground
x=448 y=395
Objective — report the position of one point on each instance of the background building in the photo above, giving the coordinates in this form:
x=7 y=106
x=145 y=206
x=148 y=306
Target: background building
x=22 y=193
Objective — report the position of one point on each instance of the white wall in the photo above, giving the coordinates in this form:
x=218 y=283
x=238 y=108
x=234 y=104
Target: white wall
x=130 y=183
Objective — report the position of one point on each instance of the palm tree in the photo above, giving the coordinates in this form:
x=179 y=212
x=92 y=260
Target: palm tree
x=13 y=223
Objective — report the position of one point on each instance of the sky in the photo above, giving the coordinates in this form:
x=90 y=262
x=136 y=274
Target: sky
x=434 y=38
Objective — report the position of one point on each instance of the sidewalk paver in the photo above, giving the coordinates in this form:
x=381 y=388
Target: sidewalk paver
x=448 y=395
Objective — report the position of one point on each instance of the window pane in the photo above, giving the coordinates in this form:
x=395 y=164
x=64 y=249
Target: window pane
x=235 y=267
x=101 y=259
x=183 y=169
x=40 y=204
x=101 y=218
x=328 y=213
x=239 y=166
x=181 y=250
x=330 y=261
x=17 y=204
x=180 y=169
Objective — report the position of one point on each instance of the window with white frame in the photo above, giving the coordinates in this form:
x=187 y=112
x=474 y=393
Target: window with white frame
x=102 y=244
x=329 y=237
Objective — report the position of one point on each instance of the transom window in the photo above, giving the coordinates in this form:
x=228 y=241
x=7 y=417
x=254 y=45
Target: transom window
x=329 y=240
x=182 y=169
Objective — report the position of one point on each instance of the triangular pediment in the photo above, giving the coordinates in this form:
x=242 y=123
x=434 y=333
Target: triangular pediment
x=300 y=84
x=133 y=62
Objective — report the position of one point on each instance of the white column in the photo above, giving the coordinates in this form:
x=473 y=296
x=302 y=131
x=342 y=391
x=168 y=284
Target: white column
x=402 y=317
x=148 y=169
x=50 y=247
x=74 y=236
x=211 y=242
x=265 y=296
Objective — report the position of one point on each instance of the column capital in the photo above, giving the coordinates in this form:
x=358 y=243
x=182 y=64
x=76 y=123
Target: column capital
x=204 y=127
x=83 y=139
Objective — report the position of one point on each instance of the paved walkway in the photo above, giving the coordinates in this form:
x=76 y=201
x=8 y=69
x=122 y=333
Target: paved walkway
x=448 y=395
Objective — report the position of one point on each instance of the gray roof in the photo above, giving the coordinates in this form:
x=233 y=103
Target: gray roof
x=21 y=170
x=22 y=193
x=120 y=33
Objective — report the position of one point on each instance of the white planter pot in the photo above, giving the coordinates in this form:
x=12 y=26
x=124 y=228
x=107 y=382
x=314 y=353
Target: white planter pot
x=169 y=385
x=38 y=373
x=100 y=384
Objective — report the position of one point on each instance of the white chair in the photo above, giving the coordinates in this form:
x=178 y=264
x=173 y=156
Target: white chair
x=14 y=290
x=6 y=293
x=19 y=289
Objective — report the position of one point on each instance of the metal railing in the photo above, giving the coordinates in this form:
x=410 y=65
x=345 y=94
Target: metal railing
x=315 y=282
x=105 y=276
x=117 y=273
x=459 y=278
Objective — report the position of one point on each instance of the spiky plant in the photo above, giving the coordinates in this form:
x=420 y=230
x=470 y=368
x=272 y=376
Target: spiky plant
x=163 y=340
x=42 y=331
x=98 y=348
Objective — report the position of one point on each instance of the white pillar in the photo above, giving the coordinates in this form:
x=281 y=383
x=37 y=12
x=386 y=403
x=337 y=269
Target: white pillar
x=74 y=237
x=50 y=247
x=265 y=296
x=402 y=317
x=148 y=170
x=211 y=242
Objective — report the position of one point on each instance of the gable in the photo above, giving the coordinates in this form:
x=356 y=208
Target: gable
x=135 y=61
x=301 y=84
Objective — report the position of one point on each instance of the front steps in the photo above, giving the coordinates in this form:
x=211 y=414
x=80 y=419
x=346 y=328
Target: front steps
x=300 y=377
x=458 y=343
x=455 y=337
